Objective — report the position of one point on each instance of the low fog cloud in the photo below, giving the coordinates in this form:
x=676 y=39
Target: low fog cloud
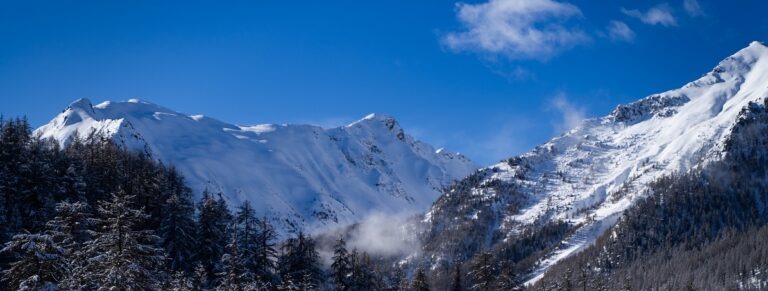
x=385 y=235
x=393 y=236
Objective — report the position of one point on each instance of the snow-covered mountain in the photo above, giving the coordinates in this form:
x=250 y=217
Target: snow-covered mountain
x=304 y=177
x=588 y=176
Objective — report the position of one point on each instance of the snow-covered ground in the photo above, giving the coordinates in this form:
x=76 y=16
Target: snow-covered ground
x=304 y=177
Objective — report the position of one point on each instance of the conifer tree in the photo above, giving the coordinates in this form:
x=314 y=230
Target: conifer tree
x=211 y=233
x=200 y=277
x=69 y=228
x=397 y=280
x=266 y=252
x=38 y=184
x=420 y=281
x=72 y=184
x=508 y=279
x=179 y=281
x=341 y=265
x=363 y=275
x=234 y=274
x=14 y=137
x=39 y=262
x=178 y=231
x=482 y=272
x=71 y=224
x=299 y=262
x=122 y=255
x=245 y=229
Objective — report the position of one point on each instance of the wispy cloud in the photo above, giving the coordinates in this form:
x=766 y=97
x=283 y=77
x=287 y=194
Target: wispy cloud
x=620 y=31
x=693 y=8
x=658 y=15
x=571 y=115
x=516 y=29
x=384 y=234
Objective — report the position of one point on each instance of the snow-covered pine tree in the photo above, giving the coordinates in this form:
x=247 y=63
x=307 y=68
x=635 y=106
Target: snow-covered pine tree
x=420 y=281
x=482 y=272
x=199 y=277
x=70 y=225
x=38 y=184
x=245 y=232
x=179 y=281
x=211 y=234
x=14 y=136
x=69 y=228
x=121 y=254
x=363 y=275
x=26 y=180
x=288 y=285
x=178 y=231
x=341 y=265
x=508 y=278
x=266 y=252
x=38 y=262
x=299 y=262
x=234 y=275
x=308 y=282
x=397 y=280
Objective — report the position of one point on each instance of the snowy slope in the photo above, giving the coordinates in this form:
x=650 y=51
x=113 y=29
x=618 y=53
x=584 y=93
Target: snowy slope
x=590 y=174
x=304 y=177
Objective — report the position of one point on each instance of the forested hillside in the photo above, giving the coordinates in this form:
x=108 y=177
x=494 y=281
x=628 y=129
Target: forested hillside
x=95 y=216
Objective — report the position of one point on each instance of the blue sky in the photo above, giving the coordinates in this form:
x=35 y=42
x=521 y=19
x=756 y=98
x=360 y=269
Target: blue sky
x=458 y=74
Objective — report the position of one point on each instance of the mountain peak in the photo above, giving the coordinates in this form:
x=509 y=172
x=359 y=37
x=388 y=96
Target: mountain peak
x=374 y=121
x=373 y=117
x=82 y=104
x=757 y=43
x=132 y=107
x=749 y=55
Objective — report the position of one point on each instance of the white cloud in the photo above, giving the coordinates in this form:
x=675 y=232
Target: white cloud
x=693 y=8
x=571 y=115
x=516 y=29
x=658 y=15
x=620 y=31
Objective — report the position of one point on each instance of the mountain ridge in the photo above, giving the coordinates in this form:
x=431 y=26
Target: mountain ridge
x=589 y=175
x=304 y=177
